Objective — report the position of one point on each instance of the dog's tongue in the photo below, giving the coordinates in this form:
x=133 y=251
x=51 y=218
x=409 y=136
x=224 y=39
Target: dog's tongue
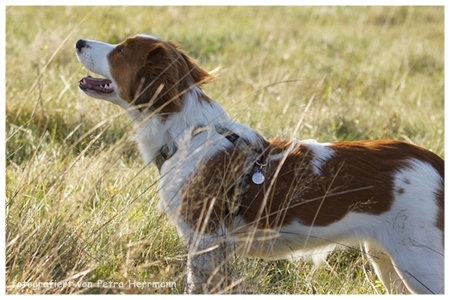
x=102 y=85
x=94 y=81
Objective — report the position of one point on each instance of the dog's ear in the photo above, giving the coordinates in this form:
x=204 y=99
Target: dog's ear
x=167 y=74
x=198 y=75
x=156 y=83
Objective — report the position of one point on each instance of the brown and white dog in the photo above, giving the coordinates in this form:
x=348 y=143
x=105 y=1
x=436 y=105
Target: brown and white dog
x=228 y=190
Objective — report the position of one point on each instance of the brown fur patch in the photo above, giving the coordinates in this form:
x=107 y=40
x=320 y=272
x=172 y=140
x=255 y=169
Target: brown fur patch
x=358 y=178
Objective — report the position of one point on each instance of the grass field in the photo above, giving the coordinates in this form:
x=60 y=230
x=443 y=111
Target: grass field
x=81 y=208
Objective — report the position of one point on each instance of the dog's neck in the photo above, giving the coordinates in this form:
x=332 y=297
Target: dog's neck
x=156 y=131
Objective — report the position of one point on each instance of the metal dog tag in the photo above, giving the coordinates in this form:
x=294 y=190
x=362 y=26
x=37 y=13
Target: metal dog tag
x=258 y=177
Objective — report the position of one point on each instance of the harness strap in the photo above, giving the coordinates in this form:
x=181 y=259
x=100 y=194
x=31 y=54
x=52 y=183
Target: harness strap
x=168 y=150
x=164 y=154
x=252 y=157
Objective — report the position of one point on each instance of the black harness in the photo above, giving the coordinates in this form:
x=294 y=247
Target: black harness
x=253 y=157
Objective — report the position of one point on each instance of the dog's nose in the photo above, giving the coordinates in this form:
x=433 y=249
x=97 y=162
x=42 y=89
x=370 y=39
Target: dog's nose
x=80 y=44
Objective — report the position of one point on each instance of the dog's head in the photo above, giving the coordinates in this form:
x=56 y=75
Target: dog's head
x=143 y=71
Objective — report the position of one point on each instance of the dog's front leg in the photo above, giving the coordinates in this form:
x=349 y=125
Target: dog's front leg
x=209 y=265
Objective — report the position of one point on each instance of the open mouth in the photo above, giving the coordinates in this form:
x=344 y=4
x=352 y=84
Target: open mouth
x=99 y=85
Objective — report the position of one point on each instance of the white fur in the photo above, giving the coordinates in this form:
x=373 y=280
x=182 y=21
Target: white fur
x=321 y=153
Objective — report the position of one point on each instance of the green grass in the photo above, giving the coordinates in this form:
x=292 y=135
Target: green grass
x=80 y=205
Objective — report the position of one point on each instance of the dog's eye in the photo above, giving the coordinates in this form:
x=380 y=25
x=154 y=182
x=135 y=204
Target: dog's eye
x=121 y=51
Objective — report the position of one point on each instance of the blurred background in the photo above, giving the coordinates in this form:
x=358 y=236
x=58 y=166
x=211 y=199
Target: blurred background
x=80 y=205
